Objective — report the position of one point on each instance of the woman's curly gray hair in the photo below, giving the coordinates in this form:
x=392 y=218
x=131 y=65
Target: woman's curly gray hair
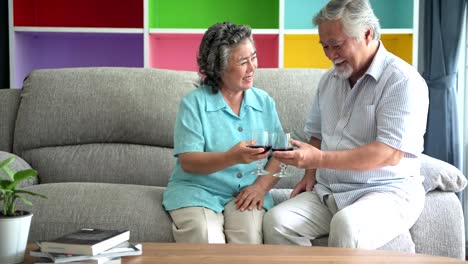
x=215 y=48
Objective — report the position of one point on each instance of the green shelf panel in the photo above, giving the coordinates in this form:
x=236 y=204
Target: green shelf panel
x=394 y=13
x=262 y=14
x=298 y=14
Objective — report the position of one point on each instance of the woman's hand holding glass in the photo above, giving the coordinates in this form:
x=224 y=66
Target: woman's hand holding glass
x=261 y=139
x=242 y=153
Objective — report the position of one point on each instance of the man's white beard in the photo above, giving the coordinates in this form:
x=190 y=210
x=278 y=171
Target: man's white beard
x=343 y=71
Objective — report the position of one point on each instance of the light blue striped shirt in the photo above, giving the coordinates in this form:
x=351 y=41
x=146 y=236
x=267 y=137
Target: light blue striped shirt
x=388 y=104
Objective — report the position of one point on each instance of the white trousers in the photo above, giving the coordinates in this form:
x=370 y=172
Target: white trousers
x=369 y=223
x=202 y=225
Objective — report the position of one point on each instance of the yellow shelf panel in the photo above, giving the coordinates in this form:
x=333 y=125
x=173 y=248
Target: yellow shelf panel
x=304 y=50
x=400 y=45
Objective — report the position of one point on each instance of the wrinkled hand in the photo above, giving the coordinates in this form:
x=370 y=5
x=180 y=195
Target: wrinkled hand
x=250 y=197
x=305 y=156
x=244 y=155
x=305 y=185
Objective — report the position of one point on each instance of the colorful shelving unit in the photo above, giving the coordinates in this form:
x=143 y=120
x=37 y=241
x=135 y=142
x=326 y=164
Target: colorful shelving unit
x=166 y=33
x=177 y=26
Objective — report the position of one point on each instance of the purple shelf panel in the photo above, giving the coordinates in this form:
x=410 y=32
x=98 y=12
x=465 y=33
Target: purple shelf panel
x=44 y=50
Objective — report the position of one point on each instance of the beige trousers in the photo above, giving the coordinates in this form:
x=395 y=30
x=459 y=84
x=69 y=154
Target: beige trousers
x=202 y=225
x=371 y=222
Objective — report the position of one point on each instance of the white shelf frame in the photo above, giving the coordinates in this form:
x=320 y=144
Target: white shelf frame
x=146 y=31
x=11 y=43
x=80 y=30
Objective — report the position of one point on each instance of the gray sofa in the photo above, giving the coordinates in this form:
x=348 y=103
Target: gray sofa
x=102 y=138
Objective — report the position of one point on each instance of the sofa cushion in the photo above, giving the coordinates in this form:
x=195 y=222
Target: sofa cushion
x=81 y=106
x=441 y=175
x=293 y=91
x=105 y=163
x=437 y=175
x=112 y=125
x=9 y=99
x=71 y=206
x=402 y=243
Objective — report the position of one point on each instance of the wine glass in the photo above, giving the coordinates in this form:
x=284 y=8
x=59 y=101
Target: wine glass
x=282 y=142
x=262 y=139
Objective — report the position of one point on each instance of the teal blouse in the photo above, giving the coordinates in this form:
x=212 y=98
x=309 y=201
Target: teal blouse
x=205 y=123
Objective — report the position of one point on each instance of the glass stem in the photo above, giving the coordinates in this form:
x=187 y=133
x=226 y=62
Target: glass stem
x=283 y=168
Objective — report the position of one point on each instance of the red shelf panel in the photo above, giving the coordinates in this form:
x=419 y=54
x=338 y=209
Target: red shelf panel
x=267 y=50
x=83 y=13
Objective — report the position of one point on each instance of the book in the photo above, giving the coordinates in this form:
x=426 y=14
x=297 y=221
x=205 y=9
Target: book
x=121 y=250
x=85 y=241
x=88 y=261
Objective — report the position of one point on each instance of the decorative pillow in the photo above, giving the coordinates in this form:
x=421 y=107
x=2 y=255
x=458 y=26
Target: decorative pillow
x=17 y=165
x=441 y=175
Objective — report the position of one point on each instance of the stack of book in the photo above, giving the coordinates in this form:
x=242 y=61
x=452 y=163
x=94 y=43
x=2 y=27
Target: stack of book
x=90 y=246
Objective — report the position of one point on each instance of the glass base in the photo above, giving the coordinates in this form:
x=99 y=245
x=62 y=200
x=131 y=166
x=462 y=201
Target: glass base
x=282 y=172
x=281 y=175
x=260 y=172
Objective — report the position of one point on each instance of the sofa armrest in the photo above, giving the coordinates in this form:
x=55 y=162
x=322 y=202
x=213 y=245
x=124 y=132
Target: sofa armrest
x=440 y=230
x=441 y=175
x=9 y=101
x=17 y=165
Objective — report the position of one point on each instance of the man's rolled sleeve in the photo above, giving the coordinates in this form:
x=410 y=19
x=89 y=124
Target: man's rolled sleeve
x=401 y=120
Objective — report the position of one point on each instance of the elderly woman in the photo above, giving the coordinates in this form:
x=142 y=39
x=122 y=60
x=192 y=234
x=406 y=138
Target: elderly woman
x=212 y=195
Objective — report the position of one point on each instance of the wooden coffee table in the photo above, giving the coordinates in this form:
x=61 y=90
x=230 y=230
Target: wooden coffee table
x=266 y=254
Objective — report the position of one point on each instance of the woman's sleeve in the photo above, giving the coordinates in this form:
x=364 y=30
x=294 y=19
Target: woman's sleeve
x=188 y=130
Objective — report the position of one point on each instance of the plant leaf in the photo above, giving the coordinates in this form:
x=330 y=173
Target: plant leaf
x=24 y=175
x=7 y=185
x=6 y=162
x=6 y=169
x=25 y=201
x=8 y=192
x=31 y=193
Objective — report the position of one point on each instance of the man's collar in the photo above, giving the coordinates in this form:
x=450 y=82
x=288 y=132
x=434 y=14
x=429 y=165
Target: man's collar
x=375 y=69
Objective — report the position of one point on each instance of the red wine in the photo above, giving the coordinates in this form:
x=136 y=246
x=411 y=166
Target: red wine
x=267 y=148
x=282 y=149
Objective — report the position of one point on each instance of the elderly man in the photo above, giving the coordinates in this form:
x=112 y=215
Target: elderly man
x=362 y=185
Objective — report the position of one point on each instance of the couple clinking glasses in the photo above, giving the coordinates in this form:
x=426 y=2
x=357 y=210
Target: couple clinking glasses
x=274 y=141
x=362 y=186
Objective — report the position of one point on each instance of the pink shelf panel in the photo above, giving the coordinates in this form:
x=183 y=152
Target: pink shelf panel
x=174 y=51
x=179 y=51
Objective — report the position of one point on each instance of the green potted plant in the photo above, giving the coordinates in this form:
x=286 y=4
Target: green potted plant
x=14 y=224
